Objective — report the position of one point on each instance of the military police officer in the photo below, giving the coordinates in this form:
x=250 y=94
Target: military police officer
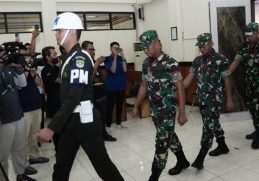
x=210 y=69
x=161 y=79
x=249 y=55
x=76 y=121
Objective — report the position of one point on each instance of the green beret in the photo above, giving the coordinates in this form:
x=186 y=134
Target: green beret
x=203 y=39
x=251 y=28
x=147 y=38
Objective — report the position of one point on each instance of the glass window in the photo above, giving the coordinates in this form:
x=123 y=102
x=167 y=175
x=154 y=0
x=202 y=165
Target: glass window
x=97 y=16
x=22 y=22
x=123 y=21
x=97 y=21
x=98 y=25
x=2 y=24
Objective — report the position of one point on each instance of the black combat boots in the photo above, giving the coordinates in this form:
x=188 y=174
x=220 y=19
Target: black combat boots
x=251 y=135
x=198 y=163
x=255 y=143
x=155 y=174
x=221 y=149
x=182 y=163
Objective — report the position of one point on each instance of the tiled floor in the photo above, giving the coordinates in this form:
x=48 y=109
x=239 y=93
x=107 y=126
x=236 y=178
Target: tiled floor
x=134 y=150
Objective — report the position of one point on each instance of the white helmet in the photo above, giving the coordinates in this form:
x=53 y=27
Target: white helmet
x=68 y=20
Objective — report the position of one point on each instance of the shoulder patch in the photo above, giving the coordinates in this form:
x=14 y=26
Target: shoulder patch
x=80 y=63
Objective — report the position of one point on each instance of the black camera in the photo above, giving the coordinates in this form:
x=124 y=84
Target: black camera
x=33 y=61
x=119 y=50
x=12 y=53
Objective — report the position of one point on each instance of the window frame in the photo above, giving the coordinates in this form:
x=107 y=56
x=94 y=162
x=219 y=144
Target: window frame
x=108 y=21
x=19 y=13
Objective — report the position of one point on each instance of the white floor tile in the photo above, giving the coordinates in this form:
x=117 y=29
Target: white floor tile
x=133 y=153
x=241 y=174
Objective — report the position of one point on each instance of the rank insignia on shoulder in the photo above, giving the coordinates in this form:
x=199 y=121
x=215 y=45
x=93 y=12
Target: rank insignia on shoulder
x=80 y=63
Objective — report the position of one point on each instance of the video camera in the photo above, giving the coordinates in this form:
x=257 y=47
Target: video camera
x=33 y=61
x=12 y=53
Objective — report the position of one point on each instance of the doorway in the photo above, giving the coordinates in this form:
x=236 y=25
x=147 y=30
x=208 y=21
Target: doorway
x=228 y=21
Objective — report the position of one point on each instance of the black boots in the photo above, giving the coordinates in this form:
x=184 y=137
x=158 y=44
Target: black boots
x=198 y=163
x=255 y=143
x=251 y=135
x=221 y=149
x=155 y=174
x=182 y=163
x=24 y=178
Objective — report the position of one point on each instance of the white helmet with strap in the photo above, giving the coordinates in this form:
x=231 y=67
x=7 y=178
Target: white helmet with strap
x=68 y=21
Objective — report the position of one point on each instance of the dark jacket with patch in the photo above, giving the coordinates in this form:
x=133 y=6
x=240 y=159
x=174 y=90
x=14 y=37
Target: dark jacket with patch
x=76 y=86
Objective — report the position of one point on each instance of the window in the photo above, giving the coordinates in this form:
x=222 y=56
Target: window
x=107 y=20
x=19 y=22
x=97 y=21
x=123 y=21
x=2 y=24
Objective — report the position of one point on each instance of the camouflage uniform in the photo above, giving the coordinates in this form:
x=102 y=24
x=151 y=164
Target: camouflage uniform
x=210 y=71
x=160 y=74
x=249 y=55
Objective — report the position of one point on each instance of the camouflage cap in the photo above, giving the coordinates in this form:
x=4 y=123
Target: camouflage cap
x=147 y=38
x=203 y=39
x=251 y=28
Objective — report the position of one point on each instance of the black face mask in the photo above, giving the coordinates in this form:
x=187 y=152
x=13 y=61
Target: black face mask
x=54 y=61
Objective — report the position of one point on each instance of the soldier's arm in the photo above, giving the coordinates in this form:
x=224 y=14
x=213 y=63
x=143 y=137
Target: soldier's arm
x=71 y=101
x=74 y=95
x=238 y=58
x=229 y=100
x=233 y=66
x=225 y=74
x=187 y=81
x=178 y=82
x=141 y=94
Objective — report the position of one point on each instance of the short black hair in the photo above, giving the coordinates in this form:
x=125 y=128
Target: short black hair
x=27 y=44
x=78 y=34
x=86 y=43
x=114 y=43
x=46 y=52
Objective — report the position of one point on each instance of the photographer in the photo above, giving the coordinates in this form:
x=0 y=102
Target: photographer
x=31 y=104
x=12 y=131
x=51 y=80
x=116 y=66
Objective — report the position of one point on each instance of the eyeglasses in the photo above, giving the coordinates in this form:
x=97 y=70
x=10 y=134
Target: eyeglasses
x=91 y=49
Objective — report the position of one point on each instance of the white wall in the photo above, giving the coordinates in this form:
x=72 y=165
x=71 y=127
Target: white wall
x=102 y=39
x=257 y=11
x=190 y=17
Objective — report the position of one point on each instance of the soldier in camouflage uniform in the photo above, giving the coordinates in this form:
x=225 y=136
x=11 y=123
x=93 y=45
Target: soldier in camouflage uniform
x=161 y=79
x=249 y=56
x=210 y=70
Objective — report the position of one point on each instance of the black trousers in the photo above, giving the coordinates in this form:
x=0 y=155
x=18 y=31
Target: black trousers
x=112 y=98
x=70 y=140
x=101 y=105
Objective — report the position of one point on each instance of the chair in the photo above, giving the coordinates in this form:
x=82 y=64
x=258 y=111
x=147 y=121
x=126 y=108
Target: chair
x=134 y=78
